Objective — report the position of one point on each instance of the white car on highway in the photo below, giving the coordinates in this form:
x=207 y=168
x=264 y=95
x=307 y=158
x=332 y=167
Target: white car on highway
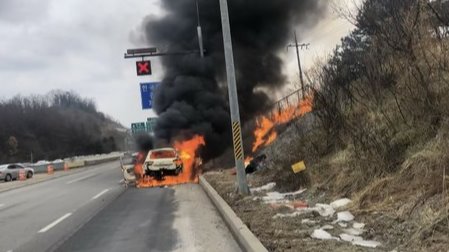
x=10 y=172
x=161 y=161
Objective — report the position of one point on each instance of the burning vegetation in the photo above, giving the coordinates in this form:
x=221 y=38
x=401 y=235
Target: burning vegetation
x=265 y=132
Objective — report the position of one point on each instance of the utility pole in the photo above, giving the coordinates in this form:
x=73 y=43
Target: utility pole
x=233 y=100
x=297 y=46
x=198 y=29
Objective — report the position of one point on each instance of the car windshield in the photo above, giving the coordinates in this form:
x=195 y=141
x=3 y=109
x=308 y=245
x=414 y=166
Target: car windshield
x=162 y=154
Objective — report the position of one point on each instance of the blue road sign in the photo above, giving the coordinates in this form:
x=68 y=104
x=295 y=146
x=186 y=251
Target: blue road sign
x=147 y=91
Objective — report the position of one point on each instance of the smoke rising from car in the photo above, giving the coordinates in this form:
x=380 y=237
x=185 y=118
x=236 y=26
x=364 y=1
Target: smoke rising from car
x=192 y=99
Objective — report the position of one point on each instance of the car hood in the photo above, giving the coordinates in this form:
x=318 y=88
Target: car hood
x=163 y=161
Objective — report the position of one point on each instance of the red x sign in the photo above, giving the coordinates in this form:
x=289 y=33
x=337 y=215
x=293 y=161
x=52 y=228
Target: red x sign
x=143 y=67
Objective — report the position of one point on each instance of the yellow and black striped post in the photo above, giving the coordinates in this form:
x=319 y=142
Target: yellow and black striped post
x=237 y=137
x=239 y=157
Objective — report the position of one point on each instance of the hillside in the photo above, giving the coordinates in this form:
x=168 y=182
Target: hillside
x=378 y=134
x=56 y=125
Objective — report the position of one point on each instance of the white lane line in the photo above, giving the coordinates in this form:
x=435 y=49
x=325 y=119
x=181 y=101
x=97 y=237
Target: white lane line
x=9 y=250
x=54 y=223
x=78 y=179
x=101 y=193
x=2 y=205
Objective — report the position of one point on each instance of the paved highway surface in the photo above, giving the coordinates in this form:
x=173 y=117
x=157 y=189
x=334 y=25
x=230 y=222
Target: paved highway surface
x=91 y=211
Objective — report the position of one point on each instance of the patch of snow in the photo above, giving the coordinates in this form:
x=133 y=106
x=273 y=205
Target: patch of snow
x=341 y=203
x=358 y=225
x=266 y=187
x=345 y=216
x=322 y=235
x=368 y=244
x=350 y=238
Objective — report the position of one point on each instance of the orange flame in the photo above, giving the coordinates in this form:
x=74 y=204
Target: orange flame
x=265 y=134
x=187 y=153
x=248 y=160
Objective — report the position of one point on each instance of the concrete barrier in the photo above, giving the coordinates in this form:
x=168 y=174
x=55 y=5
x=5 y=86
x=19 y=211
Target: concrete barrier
x=75 y=164
x=59 y=166
x=101 y=160
x=246 y=239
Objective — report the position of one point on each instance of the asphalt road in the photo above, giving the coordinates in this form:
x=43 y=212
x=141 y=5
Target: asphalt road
x=91 y=211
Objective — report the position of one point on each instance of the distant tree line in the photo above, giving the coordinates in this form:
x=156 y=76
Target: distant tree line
x=57 y=125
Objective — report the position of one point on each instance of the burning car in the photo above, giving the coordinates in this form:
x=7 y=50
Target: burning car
x=162 y=161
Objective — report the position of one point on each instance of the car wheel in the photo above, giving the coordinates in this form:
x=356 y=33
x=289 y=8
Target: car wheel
x=8 y=177
x=29 y=174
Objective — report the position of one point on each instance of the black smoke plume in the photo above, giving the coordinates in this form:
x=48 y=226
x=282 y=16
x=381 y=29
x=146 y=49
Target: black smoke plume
x=144 y=142
x=193 y=96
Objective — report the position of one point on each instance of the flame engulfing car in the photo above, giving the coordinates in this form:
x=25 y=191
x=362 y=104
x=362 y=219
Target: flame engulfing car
x=162 y=161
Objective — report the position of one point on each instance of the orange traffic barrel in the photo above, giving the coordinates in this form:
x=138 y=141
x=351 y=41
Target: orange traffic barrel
x=22 y=175
x=50 y=169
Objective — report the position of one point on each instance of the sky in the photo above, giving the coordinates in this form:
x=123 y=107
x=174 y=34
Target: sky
x=79 y=45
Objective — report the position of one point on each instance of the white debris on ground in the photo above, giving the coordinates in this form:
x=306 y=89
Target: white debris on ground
x=341 y=203
x=320 y=234
x=350 y=230
x=327 y=227
x=350 y=238
x=266 y=187
x=308 y=221
x=345 y=216
x=353 y=231
x=368 y=244
x=358 y=225
x=276 y=197
x=324 y=210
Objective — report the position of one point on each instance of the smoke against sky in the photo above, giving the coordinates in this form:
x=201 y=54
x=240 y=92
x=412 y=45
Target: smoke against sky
x=192 y=98
x=50 y=44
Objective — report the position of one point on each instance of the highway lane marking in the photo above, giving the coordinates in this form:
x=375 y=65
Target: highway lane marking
x=54 y=223
x=99 y=194
x=79 y=179
x=2 y=205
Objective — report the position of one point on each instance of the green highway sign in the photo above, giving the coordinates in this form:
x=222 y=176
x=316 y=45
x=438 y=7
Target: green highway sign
x=137 y=128
x=151 y=124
